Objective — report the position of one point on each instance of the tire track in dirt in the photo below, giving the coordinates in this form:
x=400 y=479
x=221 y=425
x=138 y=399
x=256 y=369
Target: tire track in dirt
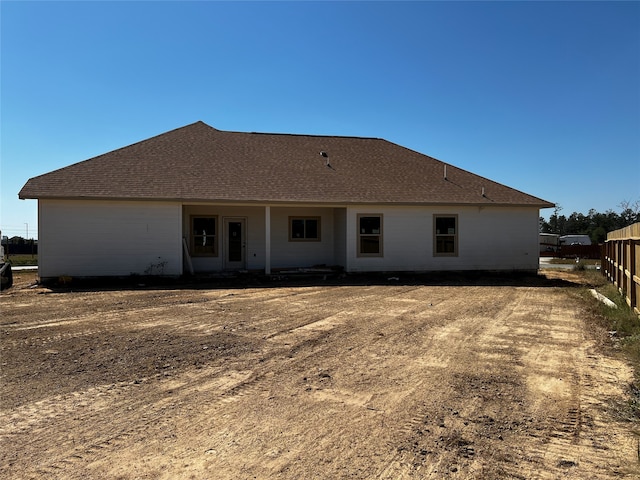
x=557 y=408
x=235 y=394
x=136 y=318
x=247 y=386
x=558 y=379
x=300 y=313
x=438 y=440
x=433 y=365
x=417 y=381
x=569 y=390
x=139 y=409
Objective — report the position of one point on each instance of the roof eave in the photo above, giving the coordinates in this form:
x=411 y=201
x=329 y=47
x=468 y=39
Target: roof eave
x=266 y=201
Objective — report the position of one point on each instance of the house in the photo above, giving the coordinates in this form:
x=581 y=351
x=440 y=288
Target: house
x=205 y=200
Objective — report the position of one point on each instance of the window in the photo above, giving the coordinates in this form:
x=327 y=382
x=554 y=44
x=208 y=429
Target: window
x=304 y=229
x=445 y=242
x=369 y=235
x=204 y=236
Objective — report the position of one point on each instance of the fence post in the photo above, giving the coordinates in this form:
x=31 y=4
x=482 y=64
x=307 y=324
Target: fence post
x=623 y=263
x=620 y=264
x=634 y=281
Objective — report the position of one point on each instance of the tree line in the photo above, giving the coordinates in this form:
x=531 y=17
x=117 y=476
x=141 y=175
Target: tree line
x=594 y=224
x=17 y=240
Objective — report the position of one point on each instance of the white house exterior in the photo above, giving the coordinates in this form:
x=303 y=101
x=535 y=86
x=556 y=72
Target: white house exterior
x=108 y=238
x=367 y=206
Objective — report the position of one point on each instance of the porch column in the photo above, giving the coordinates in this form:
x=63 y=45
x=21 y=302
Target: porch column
x=267 y=240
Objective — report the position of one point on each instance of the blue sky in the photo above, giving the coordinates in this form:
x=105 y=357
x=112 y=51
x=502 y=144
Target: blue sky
x=541 y=96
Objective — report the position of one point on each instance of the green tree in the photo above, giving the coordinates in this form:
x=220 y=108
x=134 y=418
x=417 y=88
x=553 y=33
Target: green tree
x=594 y=224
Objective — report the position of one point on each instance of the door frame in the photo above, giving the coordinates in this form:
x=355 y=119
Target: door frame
x=226 y=264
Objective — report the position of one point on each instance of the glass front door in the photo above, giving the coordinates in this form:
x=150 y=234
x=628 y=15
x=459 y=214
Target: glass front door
x=235 y=244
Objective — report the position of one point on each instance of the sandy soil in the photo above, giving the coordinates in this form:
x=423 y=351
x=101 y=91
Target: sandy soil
x=389 y=380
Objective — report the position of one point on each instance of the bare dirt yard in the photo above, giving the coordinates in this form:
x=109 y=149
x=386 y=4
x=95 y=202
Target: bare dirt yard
x=389 y=379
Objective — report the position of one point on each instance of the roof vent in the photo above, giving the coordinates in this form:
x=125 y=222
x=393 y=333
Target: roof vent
x=325 y=155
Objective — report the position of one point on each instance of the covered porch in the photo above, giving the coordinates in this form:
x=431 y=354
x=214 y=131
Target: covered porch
x=262 y=238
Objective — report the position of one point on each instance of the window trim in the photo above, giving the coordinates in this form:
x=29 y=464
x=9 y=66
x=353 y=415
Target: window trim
x=305 y=218
x=436 y=216
x=192 y=237
x=371 y=235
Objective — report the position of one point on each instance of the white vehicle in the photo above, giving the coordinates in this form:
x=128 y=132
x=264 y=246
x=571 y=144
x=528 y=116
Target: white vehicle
x=575 y=240
x=549 y=242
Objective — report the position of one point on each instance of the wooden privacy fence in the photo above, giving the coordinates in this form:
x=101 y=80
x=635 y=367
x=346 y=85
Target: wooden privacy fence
x=621 y=262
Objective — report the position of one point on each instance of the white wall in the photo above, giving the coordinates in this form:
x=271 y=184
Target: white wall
x=113 y=238
x=489 y=238
x=286 y=254
x=108 y=238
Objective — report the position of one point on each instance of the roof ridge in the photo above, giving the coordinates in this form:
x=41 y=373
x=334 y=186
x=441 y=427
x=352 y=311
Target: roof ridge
x=305 y=135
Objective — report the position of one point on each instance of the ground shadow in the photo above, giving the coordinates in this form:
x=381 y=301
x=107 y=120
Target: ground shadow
x=253 y=280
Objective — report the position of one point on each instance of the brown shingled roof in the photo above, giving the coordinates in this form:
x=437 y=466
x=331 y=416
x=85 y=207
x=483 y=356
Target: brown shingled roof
x=199 y=163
